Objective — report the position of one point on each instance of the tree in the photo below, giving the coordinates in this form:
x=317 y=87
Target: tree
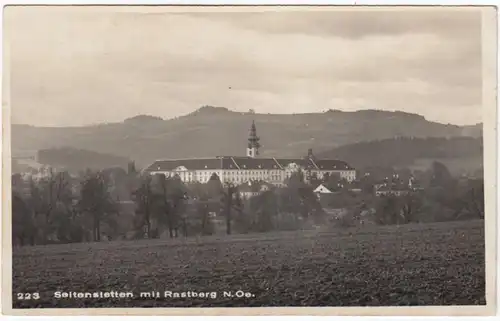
x=118 y=180
x=228 y=203
x=178 y=197
x=367 y=184
x=472 y=200
x=296 y=180
x=204 y=203
x=398 y=209
x=55 y=217
x=70 y=225
x=411 y=206
x=96 y=202
x=243 y=221
x=423 y=177
x=387 y=211
x=23 y=225
x=265 y=206
x=17 y=181
x=198 y=190
x=310 y=206
x=146 y=201
x=214 y=186
x=238 y=203
x=440 y=175
x=172 y=197
x=299 y=198
x=46 y=195
x=202 y=212
x=165 y=203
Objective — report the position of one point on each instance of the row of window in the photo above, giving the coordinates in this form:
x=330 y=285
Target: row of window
x=273 y=175
x=240 y=172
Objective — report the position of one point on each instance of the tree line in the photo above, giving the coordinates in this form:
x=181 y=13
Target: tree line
x=402 y=151
x=439 y=197
x=115 y=204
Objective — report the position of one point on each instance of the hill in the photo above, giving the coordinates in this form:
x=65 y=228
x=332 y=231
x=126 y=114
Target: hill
x=211 y=131
x=74 y=160
x=458 y=153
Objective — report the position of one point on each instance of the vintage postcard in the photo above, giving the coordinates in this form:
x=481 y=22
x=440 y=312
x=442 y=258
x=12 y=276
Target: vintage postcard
x=279 y=160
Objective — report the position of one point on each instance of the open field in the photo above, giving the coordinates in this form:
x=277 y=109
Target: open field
x=428 y=264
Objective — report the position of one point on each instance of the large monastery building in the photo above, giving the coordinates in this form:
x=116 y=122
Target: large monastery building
x=241 y=169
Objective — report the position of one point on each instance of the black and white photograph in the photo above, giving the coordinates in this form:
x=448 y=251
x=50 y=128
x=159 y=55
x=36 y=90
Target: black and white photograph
x=249 y=157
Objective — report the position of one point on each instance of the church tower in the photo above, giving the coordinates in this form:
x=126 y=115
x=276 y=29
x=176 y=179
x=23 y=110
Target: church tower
x=253 y=142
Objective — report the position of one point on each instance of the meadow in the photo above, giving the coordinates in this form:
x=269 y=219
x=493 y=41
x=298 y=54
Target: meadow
x=413 y=264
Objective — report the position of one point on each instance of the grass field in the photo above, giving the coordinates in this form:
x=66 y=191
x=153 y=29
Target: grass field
x=431 y=264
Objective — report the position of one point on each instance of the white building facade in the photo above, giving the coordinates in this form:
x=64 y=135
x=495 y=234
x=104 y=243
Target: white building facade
x=241 y=169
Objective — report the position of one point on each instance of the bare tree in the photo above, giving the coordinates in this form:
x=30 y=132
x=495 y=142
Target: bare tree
x=46 y=194
x=172 y=199
x=23 y=227
x=473 y=199
x=229 y=203
x=95 y=200
x=145 y=201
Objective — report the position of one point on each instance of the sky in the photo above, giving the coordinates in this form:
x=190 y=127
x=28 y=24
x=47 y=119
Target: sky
x=73 y=66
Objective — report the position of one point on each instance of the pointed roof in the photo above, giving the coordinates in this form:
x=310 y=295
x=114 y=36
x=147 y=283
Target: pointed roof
x=253 y=139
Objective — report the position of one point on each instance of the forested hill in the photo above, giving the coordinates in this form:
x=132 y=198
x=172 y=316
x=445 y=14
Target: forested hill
x=75 y=160
x=461 y=153
x=212 y=131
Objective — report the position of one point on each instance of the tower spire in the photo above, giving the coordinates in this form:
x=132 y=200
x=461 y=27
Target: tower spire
x=253 y=142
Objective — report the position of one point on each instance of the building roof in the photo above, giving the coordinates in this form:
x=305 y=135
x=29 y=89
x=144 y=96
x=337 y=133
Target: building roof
x=212 y=163
x=189 y=164
x=244 y=163
x=332 y=187
x=332 y=164
x=256 y=163
x=321 y=188
x=303 y=162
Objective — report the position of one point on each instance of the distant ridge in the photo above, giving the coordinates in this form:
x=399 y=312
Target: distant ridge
x=461 y=154
x=143 y=118
x=212 y=110
x=219 y=131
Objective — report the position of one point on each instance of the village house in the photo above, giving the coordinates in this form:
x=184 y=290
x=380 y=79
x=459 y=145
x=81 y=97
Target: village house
x=389 y=190
x=251 y=189
x=397 y=187
x=322 y=189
